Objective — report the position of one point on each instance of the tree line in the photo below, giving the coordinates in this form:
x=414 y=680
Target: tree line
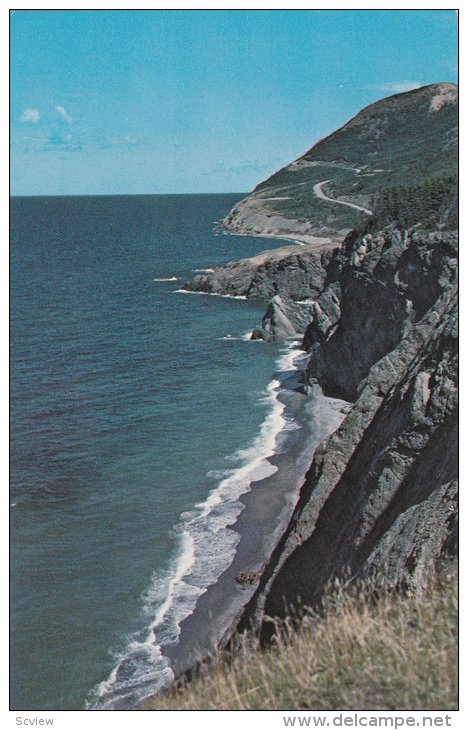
x=425 y=204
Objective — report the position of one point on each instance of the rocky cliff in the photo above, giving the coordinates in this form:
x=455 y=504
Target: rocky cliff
x=380 y=498
x=381 y=285
x=379 y=317
x=297 y=272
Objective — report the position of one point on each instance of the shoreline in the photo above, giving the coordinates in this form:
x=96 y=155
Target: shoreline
x=267 y=509
x=267 y=506
x=299 y=239
x=209 y=544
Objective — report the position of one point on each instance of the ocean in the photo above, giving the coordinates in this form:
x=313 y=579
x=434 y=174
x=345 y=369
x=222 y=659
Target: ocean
x=139 y=415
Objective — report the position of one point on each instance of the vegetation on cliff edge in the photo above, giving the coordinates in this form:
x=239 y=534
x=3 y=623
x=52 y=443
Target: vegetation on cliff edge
x=397 y=652
x=431 y=204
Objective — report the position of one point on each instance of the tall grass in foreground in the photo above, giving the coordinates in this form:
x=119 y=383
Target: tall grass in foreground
x=398 y=652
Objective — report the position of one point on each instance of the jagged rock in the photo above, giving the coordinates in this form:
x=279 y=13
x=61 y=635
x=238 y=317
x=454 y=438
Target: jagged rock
x=382 y=284
x=380 y=499
x=284 y=319
x=325 y=316
x=295 y=272
x=256 y=334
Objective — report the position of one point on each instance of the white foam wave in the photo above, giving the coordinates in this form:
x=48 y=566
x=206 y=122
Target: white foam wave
x=218 y=474
x=202 y=271
x=228 y=337
x=291 y=359
x=206 y=549
x=208 y=294
x=244 y=338
x=167 y=278
x=183 y=568
x=143 y=667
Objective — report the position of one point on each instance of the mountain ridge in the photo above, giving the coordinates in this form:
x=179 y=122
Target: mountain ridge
x=402 y=139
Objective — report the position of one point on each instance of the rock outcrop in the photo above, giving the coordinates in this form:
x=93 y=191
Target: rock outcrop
x=380 y=498
x=378 y=287
x=284 y=319
x=297 y=272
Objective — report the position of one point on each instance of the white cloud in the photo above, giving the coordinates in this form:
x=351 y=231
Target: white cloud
x=64 y=114
x=30 y=115
x=398 y=87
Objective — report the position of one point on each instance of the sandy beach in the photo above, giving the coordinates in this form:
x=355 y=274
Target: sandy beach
x=268 y=508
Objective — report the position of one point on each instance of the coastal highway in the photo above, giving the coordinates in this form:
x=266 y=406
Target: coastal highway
x=320 y=194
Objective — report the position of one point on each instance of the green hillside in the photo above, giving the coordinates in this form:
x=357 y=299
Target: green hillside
x=402 y=140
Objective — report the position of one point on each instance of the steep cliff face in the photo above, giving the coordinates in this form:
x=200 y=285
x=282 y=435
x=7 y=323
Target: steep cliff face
x=399 y=140
x=296 y=272
x=379 y=285
x=380 y=314
x=380 y=498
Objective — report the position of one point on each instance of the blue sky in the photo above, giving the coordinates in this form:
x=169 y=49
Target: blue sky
x=114 y=102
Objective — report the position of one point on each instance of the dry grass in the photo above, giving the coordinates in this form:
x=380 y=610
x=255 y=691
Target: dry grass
x=395 y=653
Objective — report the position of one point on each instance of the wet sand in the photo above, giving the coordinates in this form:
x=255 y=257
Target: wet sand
x=267 y=511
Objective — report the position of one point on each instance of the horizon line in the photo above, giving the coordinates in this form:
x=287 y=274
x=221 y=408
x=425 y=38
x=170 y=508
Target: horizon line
x=118 y=195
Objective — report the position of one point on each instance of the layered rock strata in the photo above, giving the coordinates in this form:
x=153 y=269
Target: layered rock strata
x=296 y=272
x=381 y=497
x=378 y=286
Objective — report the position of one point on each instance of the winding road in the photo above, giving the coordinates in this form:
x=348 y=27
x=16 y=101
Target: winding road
x=320 y=194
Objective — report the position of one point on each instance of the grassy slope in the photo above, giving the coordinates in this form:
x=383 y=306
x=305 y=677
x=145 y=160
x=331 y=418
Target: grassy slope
x=395 y=141
x=397 y=653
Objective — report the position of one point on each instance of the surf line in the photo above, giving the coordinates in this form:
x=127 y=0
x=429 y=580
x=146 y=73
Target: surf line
x=207 y=546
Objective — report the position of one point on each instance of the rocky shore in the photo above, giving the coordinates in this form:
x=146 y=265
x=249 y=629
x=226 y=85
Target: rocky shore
x=379 y=321
x=377 y=314
x=381 y=496
x=289 y=278
x=296 y=272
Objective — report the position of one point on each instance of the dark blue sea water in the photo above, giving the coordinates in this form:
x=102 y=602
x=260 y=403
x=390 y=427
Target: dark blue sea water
x=135 y=414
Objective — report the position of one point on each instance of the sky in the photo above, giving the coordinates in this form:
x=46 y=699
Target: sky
x=129 y=102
